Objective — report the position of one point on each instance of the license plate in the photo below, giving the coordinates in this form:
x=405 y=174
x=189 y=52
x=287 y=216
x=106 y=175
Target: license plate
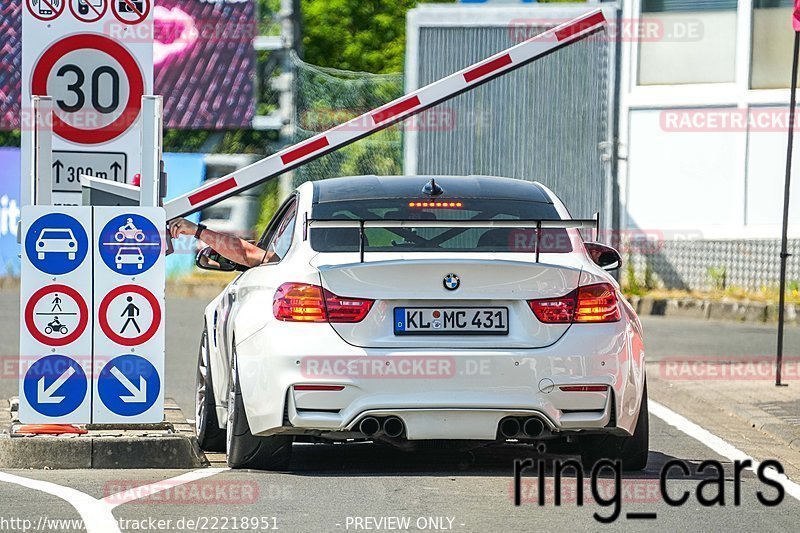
x=451 y=321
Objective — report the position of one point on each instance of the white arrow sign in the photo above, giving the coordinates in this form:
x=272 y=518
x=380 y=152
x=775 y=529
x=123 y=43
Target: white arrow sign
x=46 y=395
x=138 y=395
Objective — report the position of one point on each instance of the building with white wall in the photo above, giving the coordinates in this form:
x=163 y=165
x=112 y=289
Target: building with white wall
x=704 y=97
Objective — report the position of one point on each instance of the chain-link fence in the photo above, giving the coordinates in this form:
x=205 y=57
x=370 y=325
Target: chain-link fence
x=326 y=97
x=752 y=265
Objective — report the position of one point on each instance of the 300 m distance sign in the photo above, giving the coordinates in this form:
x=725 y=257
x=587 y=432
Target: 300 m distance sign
x=96 y=85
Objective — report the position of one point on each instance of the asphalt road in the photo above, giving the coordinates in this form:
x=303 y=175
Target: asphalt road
x=364 y=487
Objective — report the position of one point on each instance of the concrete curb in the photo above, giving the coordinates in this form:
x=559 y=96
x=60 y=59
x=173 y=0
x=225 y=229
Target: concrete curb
x=712 y=309
x=767 y=423
x=168 y=445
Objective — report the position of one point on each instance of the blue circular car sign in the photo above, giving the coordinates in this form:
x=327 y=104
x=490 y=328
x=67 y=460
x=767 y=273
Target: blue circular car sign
x=56 y=244
x=129 y=385
x=55 y=385
x=129 y=244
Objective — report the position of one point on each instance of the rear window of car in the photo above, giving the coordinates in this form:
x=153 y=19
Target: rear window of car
x=440 y=239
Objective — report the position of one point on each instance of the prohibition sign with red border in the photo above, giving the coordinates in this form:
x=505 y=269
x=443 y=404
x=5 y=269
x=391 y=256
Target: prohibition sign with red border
x=92 y=9
x=49 y=3
x=140 y=15
x=129 y=341
x=83 y=315
x=133 y=73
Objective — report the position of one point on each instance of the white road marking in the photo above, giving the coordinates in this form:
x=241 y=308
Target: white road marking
x=720 y=446
x=143 y=491
x=96 y=514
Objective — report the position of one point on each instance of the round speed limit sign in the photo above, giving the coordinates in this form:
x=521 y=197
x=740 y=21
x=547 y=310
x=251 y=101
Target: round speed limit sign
x=96 y=85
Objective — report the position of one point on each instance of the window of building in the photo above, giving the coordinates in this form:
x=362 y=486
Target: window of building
x=773 y=43
x=690 y=41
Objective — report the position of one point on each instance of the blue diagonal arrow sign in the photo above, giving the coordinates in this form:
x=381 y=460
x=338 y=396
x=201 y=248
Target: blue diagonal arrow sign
x=128 y=385
x=55 y=385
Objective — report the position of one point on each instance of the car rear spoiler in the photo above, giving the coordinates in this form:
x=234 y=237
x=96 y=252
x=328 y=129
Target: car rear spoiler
x=538 y=225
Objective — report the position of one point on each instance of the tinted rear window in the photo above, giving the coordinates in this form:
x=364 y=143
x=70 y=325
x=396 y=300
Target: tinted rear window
x=442 y=239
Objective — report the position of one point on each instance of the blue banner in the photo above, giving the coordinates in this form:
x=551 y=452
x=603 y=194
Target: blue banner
x=9 y=211
x=185 y=172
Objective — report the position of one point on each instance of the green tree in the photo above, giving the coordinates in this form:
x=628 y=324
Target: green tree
x=360 y=35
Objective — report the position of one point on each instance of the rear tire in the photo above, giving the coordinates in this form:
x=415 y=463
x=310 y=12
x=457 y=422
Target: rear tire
x=631 y=451
x=246 y=450
x=209 y=435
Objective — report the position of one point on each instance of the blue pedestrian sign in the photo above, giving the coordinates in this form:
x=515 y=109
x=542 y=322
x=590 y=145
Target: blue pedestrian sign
x=56 y=244
x=55 y=385
x=129 y=385
x=129 y=244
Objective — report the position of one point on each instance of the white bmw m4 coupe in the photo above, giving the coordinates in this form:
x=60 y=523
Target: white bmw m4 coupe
x=405 y=309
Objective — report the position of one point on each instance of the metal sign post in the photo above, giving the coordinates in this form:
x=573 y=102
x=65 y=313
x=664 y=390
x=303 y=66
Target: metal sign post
x=42 y=150
x=152 y=141
x=785 y=230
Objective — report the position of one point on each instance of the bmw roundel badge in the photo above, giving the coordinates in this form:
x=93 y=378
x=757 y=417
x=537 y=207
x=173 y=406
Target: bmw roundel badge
x=451 y=282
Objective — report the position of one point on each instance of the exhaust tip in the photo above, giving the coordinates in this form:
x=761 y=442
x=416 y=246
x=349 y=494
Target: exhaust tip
x=393 y=427
x=369 y=426
x=533 y=427
x=509 y=427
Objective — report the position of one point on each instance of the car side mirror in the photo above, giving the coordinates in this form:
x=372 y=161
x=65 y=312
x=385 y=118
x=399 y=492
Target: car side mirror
x=604 y=256
x=209 y=259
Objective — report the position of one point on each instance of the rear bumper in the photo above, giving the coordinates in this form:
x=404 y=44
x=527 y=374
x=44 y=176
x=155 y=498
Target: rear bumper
x=440 y=394
x=467 y=423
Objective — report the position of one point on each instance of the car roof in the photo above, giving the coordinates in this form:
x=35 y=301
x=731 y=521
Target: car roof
x=410 y=187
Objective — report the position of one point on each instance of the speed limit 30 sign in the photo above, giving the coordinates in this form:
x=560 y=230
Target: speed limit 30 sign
x=97 y=86
x=95 y=59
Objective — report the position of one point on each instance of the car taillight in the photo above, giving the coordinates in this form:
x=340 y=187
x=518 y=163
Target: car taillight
x=591 y=303
x=597 y=303
x=554 y=310
x=346 y=309
x=299 y=302
x=303 y=302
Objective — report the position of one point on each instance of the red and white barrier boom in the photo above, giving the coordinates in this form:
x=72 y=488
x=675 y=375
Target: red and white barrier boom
x=384 y=116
